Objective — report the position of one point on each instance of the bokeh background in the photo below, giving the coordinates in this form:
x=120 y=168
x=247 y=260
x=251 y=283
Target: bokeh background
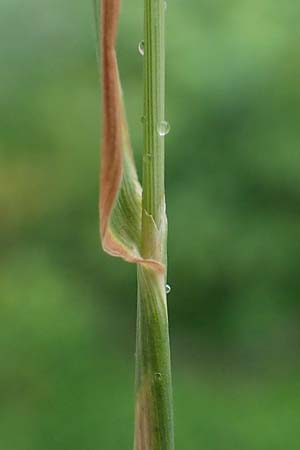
x=67 y=311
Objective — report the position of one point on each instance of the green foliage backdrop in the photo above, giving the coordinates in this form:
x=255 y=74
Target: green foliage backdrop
x=67 y=311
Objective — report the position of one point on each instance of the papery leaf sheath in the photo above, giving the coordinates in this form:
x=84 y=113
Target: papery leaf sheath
x=120 y=192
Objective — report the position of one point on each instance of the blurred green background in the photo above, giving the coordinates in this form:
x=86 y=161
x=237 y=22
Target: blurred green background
x=67 y=311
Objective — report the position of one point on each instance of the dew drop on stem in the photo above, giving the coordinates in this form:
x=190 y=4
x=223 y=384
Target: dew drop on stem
x=168 y=289
x=158 y=376
x=141 y=48
x=163 y=128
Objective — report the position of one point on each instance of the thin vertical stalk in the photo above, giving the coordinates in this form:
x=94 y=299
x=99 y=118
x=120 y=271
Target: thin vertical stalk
x=154 y=415
x=133 y=220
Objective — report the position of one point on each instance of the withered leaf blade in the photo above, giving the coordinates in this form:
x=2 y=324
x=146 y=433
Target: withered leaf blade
x=120 y=192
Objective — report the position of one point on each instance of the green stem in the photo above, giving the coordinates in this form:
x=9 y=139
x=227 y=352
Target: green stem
x=154 y=108
x=154 y=414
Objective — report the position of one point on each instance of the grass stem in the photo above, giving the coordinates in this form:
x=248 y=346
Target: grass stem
x=154 y=411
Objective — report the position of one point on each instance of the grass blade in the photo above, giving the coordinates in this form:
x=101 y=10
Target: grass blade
x=120 y=191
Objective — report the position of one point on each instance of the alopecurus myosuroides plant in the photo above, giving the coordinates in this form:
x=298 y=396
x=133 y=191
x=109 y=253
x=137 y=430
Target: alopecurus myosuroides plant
x=133 y=218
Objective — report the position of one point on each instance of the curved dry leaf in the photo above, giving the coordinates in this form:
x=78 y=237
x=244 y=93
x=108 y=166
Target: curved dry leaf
x=120 y=191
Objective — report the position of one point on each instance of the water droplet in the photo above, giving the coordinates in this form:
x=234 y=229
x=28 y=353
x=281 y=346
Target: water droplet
x=165 y=5
x=158 y=376
x=168 y=289
x=163 y=128
x=141 y=48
